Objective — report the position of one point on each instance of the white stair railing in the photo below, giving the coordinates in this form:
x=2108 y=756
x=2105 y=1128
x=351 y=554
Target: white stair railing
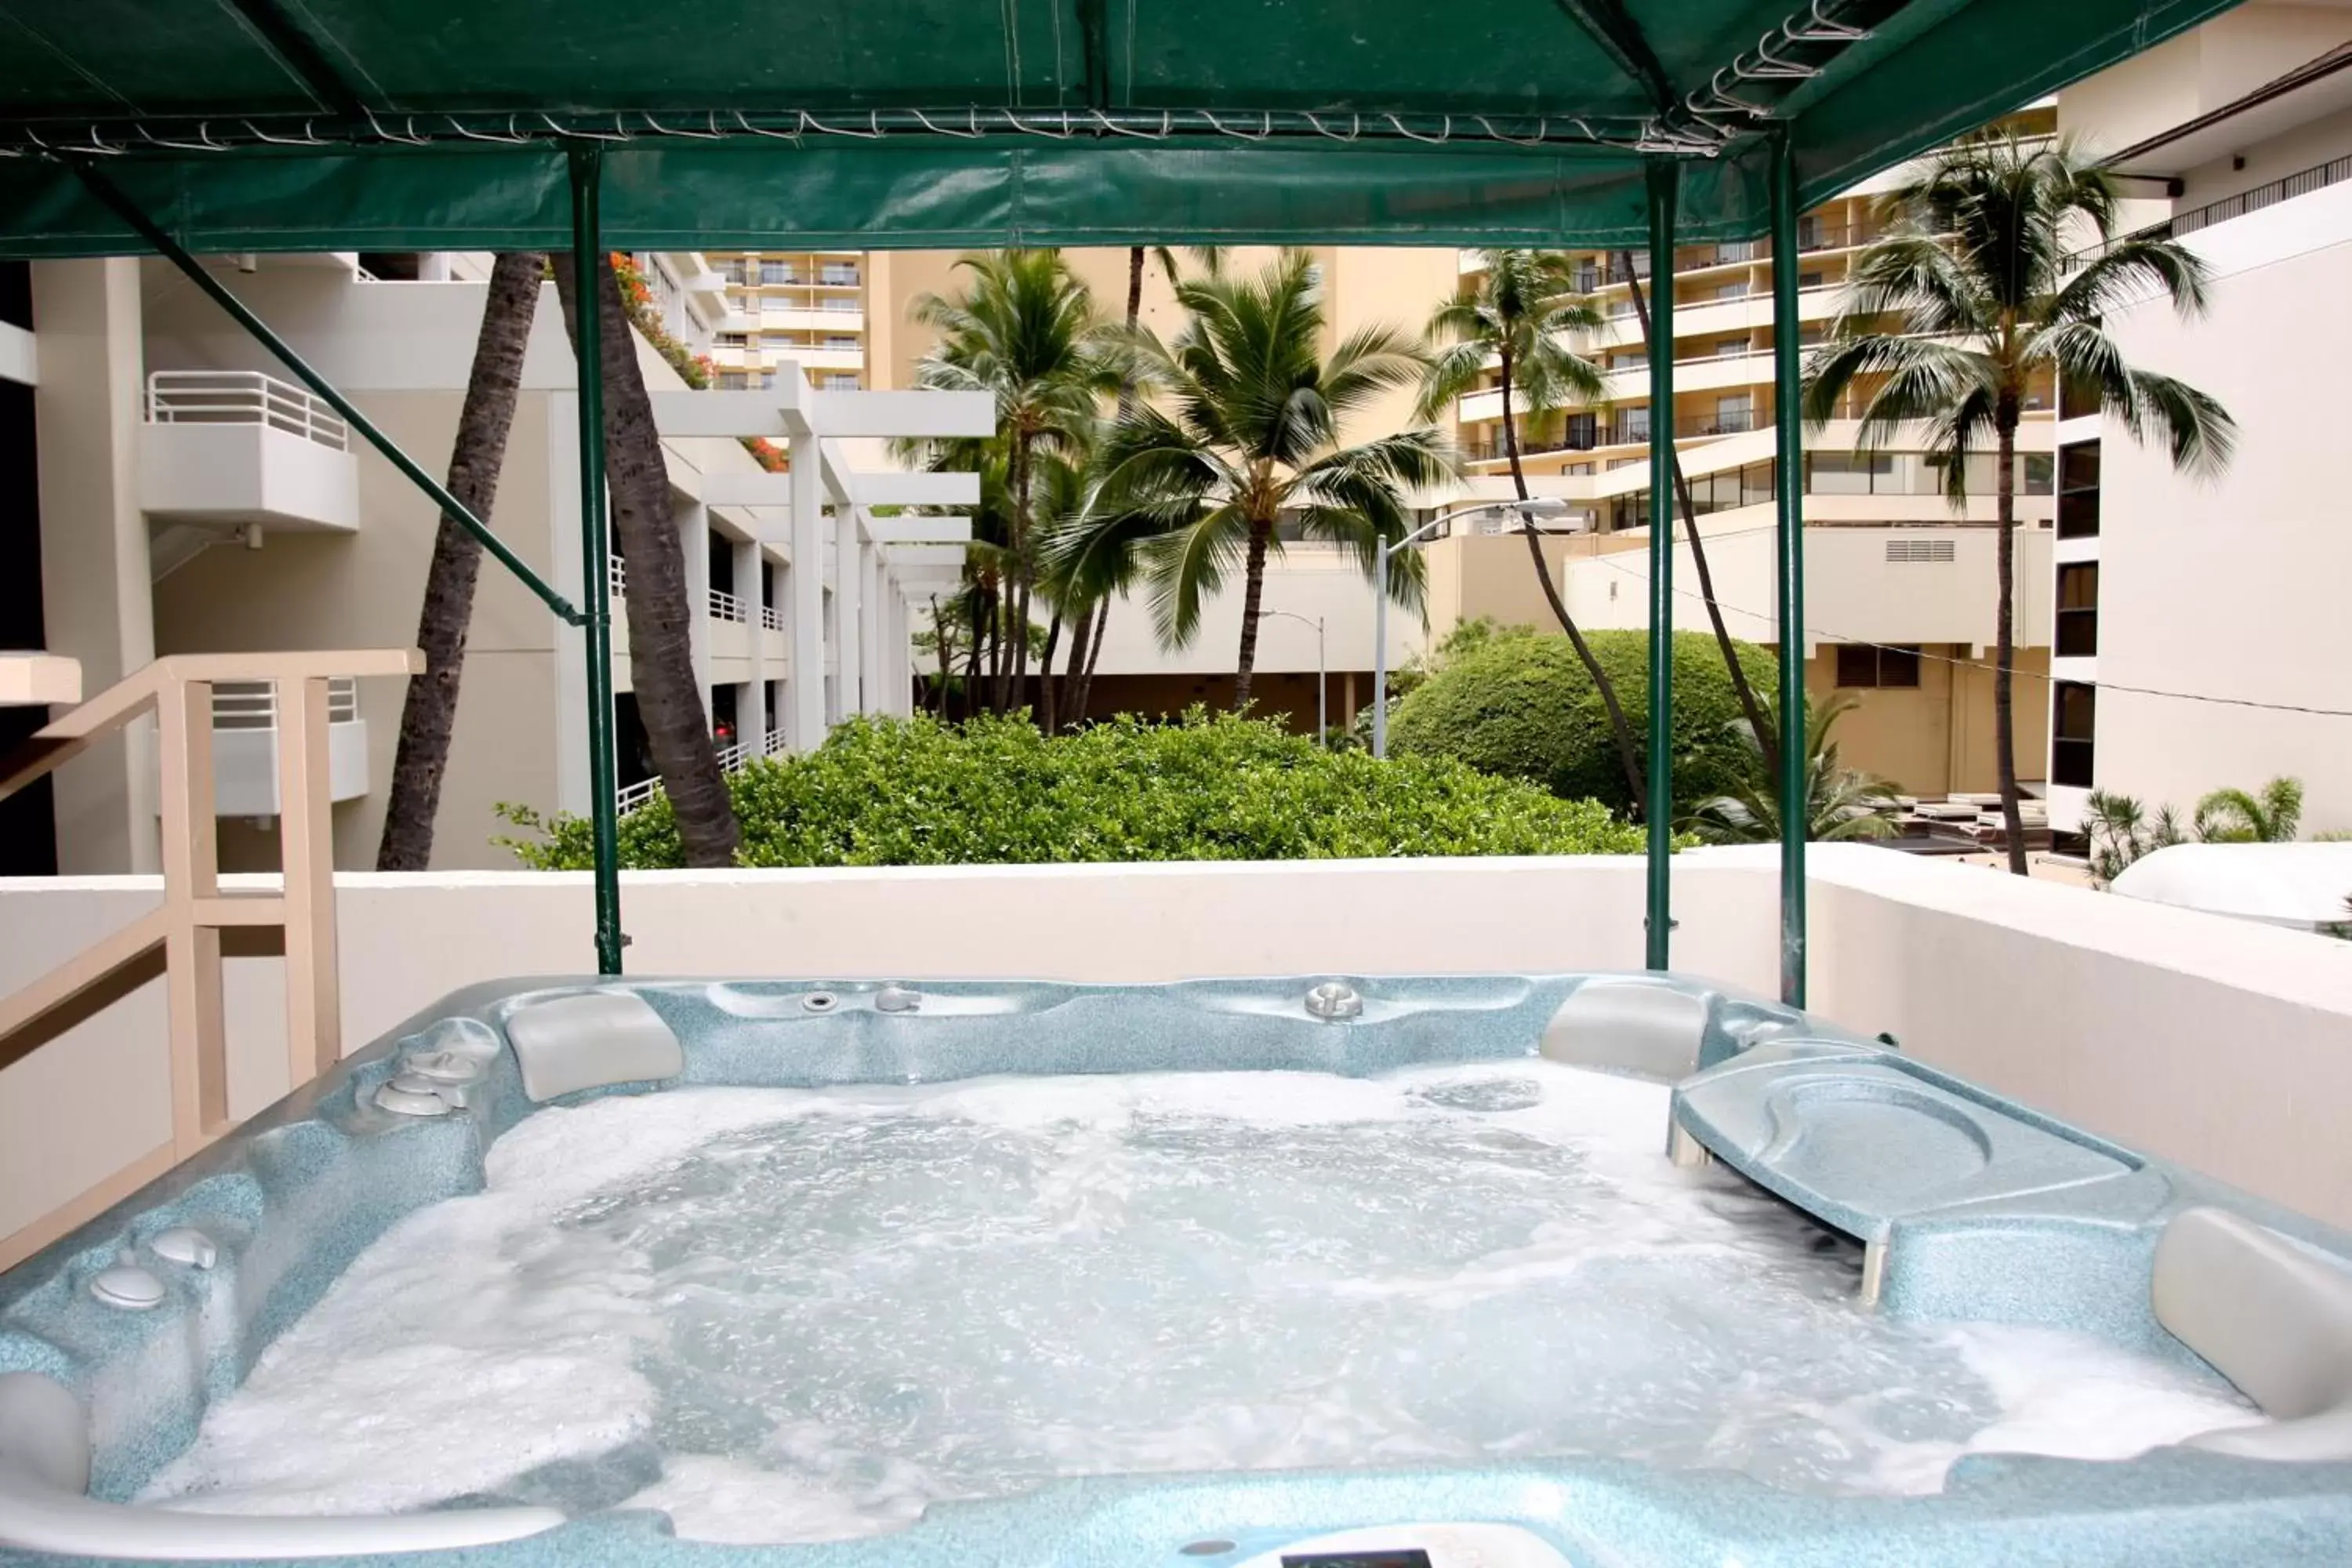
x=253 y=704
x=244 y=397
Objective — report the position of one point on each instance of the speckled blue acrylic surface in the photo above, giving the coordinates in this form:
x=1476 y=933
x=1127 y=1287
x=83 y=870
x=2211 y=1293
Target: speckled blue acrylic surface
x=295 y=1195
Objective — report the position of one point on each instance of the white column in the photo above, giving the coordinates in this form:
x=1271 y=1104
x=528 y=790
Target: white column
x=871 y=623
x=694 y=535
x=751 y=590
x=97 y=591
x=898 y=652
x=804 y=723
x=848 y=633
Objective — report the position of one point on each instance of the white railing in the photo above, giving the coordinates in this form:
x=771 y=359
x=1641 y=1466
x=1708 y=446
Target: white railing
x=243 y=397
x=253 y=704
x=728 y=607
x=731 y=759
x=771 y=617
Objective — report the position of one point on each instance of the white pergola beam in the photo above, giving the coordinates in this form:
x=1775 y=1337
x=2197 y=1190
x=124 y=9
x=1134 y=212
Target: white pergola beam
x=919 y=531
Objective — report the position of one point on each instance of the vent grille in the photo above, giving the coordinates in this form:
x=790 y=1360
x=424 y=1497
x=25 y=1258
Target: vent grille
x=1918 y=550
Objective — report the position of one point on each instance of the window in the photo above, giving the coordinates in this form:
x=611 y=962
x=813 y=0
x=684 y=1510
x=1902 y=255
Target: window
x=734 y=340
x=1809 y=232
x=840 y=381
x=836 y=342
x=834 y=273
x=2078 y=609
x=2073 y=713
x=731 y=381
x=1866 y=666
x=774 y=272
x=2039 y=473
x=2078 y=490
x=1812 y=279
x=1848 y=473
x=1727 y=347
x=732 y=271
x=1633 y=425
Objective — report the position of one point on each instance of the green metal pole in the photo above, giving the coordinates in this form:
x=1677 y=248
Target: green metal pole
x=1788 y=422
x=595 y=550
x=113 y=196
x=1658 y=810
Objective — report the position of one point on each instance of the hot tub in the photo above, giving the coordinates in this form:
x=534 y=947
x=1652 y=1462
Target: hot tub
x=1324 y=1273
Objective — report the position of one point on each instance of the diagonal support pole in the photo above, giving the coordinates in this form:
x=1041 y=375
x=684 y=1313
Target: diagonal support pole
x=1789 y=426
x=1665 y=182
x=123 y=207
x=595 y=549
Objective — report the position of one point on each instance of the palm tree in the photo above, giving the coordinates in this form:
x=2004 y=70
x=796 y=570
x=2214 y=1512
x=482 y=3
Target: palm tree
x=1975 y=268
x=1093 y=616
x=661 y=656
x=1023 y=330
x=2121 y=830
x=1839 y=802
x=1518 y=312
x=430 y=712
x=2234 y=816
x=1250 y=436
x=1661 y=429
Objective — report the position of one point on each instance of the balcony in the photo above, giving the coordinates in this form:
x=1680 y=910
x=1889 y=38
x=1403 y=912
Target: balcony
x=245 y=746
x=225 y=448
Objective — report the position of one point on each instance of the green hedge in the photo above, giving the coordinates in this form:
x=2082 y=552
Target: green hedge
x=1519 y=705
x=916 y=793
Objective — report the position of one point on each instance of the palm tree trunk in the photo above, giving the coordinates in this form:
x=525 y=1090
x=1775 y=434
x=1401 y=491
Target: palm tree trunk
x=1253 y=592
x=1620 y=729
x=430 y=712
x=983 y=621
x=939 y=646
x=1074 y=676
x=2004 y=716
x=661 y=656
x=1045 y=678
x=1661 y=429
x=1080 y=704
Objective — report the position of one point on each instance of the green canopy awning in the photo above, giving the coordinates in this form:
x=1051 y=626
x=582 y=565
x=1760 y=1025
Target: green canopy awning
x=363 y=124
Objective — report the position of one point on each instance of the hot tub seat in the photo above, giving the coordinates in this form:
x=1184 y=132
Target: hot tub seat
x=1862 y=1139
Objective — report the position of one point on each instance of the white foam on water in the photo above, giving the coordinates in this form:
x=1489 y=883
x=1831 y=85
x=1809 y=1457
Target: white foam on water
x=798 y=1315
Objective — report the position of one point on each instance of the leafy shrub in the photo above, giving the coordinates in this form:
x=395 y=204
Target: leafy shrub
x=995 y=791
x=1520 y=705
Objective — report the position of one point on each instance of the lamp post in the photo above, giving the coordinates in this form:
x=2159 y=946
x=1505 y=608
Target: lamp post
x=1322 y=718
x=1533 y=507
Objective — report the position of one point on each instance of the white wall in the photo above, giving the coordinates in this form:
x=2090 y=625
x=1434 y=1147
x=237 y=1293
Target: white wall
x=2236 y=589
x=2223 y=1044
x=1852 y=593
x=1309 y=579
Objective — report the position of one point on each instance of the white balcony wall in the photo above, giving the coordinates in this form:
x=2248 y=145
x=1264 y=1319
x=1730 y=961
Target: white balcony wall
x=245 y=768
x=247 y=473
x=778 y=317
x=1853 y=591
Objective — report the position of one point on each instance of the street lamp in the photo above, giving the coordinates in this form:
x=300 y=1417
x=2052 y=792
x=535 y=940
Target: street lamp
x=1322 y=721
x=1532 y=508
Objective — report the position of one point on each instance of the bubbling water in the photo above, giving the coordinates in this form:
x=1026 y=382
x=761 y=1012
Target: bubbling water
x=795 y=1315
